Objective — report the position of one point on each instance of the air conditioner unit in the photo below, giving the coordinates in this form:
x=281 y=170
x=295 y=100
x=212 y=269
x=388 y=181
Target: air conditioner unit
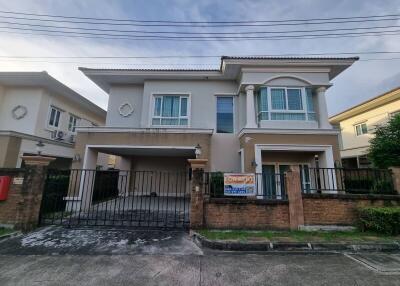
x=57 y=135
x=72 y=138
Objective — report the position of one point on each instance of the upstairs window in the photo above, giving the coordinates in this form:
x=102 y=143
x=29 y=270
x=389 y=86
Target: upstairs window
x=171 y=110
x=285 y=104
x=361 y=129
x=72 y=123
x=54 y=119
x=224 y=114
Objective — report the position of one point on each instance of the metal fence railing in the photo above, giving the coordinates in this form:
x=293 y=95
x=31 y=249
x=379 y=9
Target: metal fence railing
x=267 y=186
x=82 y=197
x=353 y=181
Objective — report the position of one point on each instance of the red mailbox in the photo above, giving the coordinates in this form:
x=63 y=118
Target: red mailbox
x=4 y=187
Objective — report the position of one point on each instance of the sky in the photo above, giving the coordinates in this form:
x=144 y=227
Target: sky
x=365 y=79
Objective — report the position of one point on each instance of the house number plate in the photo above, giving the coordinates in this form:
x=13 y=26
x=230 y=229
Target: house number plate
x=18 y=181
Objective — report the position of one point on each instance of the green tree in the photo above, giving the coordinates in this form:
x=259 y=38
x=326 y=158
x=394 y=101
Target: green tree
x=384 y=150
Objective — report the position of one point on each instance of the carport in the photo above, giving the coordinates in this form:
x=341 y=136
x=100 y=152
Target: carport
x=150 y=187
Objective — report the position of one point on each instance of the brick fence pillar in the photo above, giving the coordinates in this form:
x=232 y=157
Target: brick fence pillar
x=293 y=185
x=28 y=208
x=396 y=178
x=197 y=193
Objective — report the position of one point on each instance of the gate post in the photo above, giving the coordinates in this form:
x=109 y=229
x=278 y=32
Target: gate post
x=293 y=185
x=396 y=178
x=28 y=209
x=197 y=193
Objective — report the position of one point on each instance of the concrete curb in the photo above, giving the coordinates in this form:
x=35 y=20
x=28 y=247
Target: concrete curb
x=294 y=246
x=8 y=235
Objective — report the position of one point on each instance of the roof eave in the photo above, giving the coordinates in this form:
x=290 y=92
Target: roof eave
x=363 y=106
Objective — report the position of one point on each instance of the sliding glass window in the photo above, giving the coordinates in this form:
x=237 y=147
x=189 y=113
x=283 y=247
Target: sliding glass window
x=285 y=103
x=171 y=110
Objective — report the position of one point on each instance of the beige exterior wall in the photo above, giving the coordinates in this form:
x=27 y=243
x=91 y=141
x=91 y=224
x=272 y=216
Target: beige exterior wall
x=269 y=157
x=9 y=147
x=140 y=139
x=248 y=141
x=354 y=145
x=159 y=163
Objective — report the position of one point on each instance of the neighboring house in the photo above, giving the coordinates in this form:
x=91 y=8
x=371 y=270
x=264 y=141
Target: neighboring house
x=36 y=107
x=254 y=114
x=357 y=125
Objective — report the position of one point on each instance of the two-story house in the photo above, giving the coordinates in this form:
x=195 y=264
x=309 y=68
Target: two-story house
x=358 y=123
x=36 y=107
x=254 y=114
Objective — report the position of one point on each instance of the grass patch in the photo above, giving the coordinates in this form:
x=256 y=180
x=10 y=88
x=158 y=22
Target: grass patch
x=297 y=236
x=4 y=231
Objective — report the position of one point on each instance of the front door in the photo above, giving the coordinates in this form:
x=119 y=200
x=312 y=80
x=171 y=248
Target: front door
x=269 y=181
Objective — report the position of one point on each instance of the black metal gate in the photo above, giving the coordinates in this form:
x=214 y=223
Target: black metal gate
x=149 y=199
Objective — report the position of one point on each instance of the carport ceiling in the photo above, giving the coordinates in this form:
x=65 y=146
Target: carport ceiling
x=167 y=152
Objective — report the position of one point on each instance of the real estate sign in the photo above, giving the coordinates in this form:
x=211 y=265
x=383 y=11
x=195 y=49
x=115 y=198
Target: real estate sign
x=238 y=184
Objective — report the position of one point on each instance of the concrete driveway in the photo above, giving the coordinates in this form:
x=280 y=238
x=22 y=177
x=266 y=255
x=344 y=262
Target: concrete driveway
x=56 y=256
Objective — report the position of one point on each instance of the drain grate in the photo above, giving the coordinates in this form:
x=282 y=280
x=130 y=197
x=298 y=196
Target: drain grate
x=380 y=262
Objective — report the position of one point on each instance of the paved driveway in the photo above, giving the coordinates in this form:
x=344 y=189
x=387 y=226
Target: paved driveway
x=57 y=256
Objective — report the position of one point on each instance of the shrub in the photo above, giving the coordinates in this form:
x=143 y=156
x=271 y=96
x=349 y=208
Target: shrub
x=384 y=220
x=383 y=187
x=366 y=186
x=358 y=186
x=217 y=184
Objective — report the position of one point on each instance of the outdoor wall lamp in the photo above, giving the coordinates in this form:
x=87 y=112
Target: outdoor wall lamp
x=76 y=158
x=197 y=151
x=254 y=163
x=39 y=147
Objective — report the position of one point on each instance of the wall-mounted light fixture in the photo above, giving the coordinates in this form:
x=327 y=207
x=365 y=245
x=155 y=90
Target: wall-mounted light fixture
x=197 y=151
x=39 y=147
x=254 y=163
x=76 y=158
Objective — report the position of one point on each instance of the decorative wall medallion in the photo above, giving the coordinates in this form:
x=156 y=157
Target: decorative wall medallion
x=125 y=109
x=19 y=112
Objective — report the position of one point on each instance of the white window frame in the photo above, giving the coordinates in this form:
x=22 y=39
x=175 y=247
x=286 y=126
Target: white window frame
x=77 y=119
x=52 y=126
x=233 y=111
x=271 y=110
x=161 y=94
x=360 y=124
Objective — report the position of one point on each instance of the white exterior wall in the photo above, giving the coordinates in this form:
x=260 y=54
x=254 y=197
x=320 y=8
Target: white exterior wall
x=120 y=95
x=2 y=95
x=38 y=101
x=284 y=77
x=357 y=145
x=202 y=99
x=30 y=98
x=29 y=146
x=48 y=99
x=202 y=93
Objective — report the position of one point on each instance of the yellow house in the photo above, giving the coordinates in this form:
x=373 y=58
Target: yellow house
x=357 y=126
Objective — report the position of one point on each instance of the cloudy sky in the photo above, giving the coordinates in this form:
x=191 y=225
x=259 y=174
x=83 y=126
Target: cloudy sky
x=365 y=79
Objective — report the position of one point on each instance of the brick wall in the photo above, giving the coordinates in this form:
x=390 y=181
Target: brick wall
x=9 y=208
x=246 y=214
x=22 y=207
x=332 y=209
